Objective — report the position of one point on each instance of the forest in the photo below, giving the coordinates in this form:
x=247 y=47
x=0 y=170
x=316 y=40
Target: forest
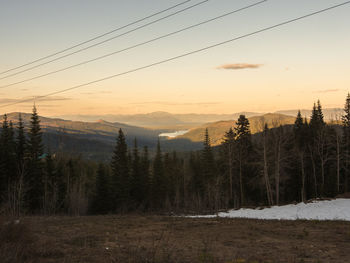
x=279 y=165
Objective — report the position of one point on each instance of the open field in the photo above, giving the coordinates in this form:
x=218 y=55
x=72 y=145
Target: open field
x=170 y=239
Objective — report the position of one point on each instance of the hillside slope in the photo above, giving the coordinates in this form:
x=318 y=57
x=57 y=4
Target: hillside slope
x=94 y=140
x=217 y=129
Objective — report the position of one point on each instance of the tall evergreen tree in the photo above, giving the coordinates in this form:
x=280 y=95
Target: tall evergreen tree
x=227 y=154
x=50 y=185
x=7 y=157
x=158 y=182
x=346 y=143
x=35 y=166
x=21 y=145
x=137 y=186
x=208 y=162
x=243 y=152
x=102 y=200
x=300 y=144
x=120 y=176
x=145 y=175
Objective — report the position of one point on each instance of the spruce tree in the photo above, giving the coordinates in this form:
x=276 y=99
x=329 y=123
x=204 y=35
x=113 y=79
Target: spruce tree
x=50 y=185
x=35 y=164
x=300 y=144
x=346 y=143
x=208 y=163
x=243 y=151
x=228 y=157
x=158 y=187
x=145 y=176
x=7 y=157
x=137 y=187
x=120 y=176
x=102 y=200
x=21 y=145
x=4 y=158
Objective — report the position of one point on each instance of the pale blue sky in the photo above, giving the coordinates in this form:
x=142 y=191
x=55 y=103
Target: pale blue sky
x=301 y=62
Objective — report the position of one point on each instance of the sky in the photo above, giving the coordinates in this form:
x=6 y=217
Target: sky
x=289 y=67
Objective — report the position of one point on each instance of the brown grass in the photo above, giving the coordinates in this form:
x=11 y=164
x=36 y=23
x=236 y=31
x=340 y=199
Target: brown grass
x=139 y=239
x=17 y=242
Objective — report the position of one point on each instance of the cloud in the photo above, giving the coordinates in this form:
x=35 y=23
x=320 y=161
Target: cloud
x=327 y=91
x=239 y=66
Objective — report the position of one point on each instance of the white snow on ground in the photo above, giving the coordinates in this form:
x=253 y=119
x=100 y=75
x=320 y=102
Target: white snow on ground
x=338 y=209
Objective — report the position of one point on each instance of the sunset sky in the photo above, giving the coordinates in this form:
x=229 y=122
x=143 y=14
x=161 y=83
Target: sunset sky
x=286 y=68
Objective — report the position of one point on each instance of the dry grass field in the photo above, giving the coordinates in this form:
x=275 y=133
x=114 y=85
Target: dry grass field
x=137 y=238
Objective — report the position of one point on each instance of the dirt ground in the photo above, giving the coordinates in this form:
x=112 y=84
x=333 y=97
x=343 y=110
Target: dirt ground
x=138 y=238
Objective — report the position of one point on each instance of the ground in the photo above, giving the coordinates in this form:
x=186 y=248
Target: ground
x=137 y=238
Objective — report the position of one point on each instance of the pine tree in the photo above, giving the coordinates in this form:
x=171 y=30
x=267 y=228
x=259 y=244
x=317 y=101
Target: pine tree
x=209 y=172
x=208 y=163
x=346 y=143
x=21 y=145
x=102 y=200
x=300 y=139
x=7 y=158
x=3 y=158
x=145 y=176
x=158 y=187
x=50 y=185
x=137 y=187
x=228 y=147
x=244 y=149
x=34 y=164
x=319 y=147
x=120 y=176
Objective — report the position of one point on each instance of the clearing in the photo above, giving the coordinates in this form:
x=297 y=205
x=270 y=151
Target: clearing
x=138 y=238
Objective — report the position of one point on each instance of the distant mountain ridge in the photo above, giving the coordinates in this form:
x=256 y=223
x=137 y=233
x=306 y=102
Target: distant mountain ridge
x=162 y=120
x=165 y=120
x=96 y=140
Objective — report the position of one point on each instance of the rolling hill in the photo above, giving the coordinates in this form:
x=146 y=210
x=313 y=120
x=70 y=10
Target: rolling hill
x=217 y=129
x=165 y=120
x=162 y=120
x=91 y=139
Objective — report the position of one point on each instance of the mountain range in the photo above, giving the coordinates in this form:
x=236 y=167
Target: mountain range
x=165 y=120
x=96 y=139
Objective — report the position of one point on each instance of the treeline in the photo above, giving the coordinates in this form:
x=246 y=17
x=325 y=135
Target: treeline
x=35 y=181
x=281 y=164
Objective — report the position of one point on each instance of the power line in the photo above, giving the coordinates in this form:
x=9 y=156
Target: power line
x=107 y=40
x=97 y=37
x=181 y=56
x=134 y=46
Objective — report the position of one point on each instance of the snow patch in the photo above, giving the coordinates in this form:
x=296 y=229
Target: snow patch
x=338 y=209
x=173 y=134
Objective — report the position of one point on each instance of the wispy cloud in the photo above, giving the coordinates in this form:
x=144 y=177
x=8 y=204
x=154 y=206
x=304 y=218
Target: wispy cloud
x=327 y=91
x=239 y=66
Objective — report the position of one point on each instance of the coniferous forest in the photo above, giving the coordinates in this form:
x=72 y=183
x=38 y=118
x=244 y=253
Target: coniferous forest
x=281 y=164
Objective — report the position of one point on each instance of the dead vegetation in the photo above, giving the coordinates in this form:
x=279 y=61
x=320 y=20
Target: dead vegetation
x=153 y=239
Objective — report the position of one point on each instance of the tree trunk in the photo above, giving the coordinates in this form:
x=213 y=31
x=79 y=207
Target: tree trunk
x=230 y=172
x=338 y=163
x=303 y=195
x=241 y=181
x=266 y=175
x=314 y=172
